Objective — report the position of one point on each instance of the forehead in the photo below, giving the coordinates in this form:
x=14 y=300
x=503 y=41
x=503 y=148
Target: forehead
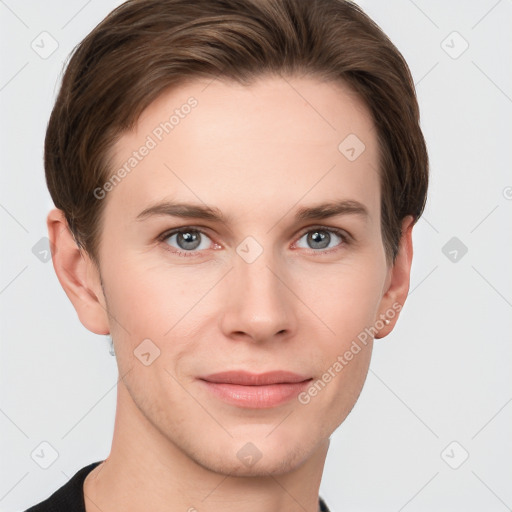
x=250 y=147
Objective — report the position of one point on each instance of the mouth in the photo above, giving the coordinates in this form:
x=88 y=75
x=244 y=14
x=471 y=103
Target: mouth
x=255 y=391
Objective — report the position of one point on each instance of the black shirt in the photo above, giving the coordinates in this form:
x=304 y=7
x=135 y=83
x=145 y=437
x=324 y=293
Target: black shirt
x=70 y=497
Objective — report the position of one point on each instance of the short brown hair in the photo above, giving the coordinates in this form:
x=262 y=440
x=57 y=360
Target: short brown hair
x=143 y=47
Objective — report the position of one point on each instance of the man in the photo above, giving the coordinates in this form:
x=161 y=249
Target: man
x=235 y=185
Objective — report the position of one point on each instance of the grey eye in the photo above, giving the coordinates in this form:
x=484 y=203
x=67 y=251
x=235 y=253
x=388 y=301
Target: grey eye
x=188 y=240
x=320 y=239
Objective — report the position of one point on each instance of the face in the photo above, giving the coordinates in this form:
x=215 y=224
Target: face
x=254 y=275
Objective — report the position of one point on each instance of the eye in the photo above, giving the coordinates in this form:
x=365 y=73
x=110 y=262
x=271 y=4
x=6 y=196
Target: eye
x=189 y=241
x=323 y=238
x=186 y=240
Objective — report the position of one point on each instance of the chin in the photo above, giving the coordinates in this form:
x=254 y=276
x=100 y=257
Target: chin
x=257 y=455
x=273 y=464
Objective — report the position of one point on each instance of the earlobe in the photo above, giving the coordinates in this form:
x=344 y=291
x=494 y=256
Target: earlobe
x=399 y=280
x=77 y=275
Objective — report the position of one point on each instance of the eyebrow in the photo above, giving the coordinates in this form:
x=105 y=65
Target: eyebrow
x=196 y=211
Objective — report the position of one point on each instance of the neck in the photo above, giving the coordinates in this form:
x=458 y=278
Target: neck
x=147 y=470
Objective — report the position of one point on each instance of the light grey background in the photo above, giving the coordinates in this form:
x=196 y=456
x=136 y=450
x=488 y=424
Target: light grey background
x=443 y=375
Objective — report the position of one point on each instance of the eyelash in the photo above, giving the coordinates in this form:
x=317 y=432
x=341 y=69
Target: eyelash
x=346 y=239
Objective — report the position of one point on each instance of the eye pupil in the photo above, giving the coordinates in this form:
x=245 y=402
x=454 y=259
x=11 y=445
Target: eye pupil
x=319 y=237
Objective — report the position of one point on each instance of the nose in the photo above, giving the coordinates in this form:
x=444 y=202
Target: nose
x=258 y=305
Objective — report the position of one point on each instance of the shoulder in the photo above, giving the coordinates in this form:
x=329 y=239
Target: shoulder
x=323 y=506
x=69 y=497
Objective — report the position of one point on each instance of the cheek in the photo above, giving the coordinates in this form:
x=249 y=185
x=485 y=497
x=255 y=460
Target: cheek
x=344 y=361
x=347 y=306
x=345 y=296
x=145 y=295
x=162 y=304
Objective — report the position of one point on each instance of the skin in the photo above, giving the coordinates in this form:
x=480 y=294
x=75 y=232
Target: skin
x=257 y=153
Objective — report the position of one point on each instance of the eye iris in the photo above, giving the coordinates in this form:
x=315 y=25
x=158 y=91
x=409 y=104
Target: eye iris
x=188 y=239
x=319 y=237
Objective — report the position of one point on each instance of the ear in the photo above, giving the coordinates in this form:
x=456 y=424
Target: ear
x=77 y=275
x=397 y=282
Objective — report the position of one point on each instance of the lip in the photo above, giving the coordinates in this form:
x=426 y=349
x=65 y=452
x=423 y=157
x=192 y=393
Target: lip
x=257 y=391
